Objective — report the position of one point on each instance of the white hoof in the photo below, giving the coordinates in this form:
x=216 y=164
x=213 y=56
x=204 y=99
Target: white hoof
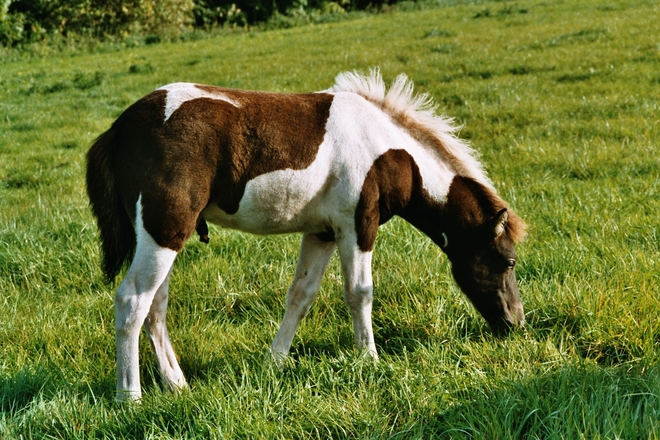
x=128 y=396
x=278 y=358
x=175 y=386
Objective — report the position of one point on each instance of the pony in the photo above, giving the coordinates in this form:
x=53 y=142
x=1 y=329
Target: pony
x=332 y=165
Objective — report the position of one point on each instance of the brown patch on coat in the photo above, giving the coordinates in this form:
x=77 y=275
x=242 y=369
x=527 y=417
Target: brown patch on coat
x=207 y=151
x=387 y=191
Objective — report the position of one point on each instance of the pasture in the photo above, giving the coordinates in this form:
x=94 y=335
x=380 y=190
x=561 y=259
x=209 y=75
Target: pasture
x=561 y=100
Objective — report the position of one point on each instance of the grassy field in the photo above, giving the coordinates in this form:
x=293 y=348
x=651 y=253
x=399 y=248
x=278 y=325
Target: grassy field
x=561 y=99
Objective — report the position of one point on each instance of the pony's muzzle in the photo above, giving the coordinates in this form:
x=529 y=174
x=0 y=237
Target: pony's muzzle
x=513 y=317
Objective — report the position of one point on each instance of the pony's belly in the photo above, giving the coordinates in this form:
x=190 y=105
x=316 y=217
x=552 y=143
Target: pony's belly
x=279 y=202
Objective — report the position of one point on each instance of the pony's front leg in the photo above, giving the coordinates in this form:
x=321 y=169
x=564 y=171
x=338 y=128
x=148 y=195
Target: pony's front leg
x=314 y=257
x=133 y=300
x=358 y=292
x=170 y=372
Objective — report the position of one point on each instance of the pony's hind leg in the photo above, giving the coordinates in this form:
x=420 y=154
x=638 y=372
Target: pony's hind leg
x=170 y=372
x=133 y=300
x=314 y=257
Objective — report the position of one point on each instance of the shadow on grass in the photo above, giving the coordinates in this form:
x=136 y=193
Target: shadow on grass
x=325 y=345
x=20 y=390
x=577 y=401
x=397 y=338
x=546 y=321
x=16 y=392
x=592 y=341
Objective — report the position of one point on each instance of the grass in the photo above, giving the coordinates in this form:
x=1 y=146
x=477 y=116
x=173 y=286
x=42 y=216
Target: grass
x=560 y=99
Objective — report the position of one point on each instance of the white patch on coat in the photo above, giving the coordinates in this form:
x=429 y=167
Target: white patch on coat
x=418 y=112
x=326 y=193
x=178 y=93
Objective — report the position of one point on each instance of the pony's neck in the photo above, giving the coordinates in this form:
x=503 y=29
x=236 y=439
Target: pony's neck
x=426 y=214
x=396 y=186
x=467 y=205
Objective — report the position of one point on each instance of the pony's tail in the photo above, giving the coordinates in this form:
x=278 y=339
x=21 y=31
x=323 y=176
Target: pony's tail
x=116 y=229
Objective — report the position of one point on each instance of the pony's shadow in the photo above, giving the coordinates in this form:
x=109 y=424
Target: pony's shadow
x=548 y=320
x=395 y=339
x=318 y=347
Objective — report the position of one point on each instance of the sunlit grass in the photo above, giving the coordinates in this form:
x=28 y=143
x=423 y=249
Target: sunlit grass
x=560 y=99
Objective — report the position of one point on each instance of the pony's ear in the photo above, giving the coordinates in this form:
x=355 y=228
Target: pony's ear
x=499 y=222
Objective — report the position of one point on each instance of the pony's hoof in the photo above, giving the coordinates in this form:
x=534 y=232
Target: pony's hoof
x=175 y=386
x=124 y=396
x=370 y=355
x=277 y=358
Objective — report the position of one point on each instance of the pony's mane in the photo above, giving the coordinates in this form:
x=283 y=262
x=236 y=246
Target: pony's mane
x=416 y=113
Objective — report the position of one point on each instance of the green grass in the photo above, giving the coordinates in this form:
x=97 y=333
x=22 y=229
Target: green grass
x=562 y=101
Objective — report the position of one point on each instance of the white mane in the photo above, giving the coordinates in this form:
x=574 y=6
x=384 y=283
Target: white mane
x=417 y=114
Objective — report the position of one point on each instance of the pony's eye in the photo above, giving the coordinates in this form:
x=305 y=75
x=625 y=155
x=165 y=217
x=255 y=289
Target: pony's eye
x=510 y=263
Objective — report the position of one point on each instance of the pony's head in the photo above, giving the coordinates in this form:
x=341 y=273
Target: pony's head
x=478 y=236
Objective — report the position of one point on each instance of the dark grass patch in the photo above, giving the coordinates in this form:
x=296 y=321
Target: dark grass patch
x=396 y=337
x=330 y=346
x=483 y=13
x=648 y=54
x=152 y=39
x=480 y=74
x=79 y=81
x=521 y=70
x=585 y=35
x=503 y=12
x=529 y=70
x=22 y=127
x=403 y=59
x=85 y=81
x=141 y=68
x=20 y=181
x=513 y=119
x=453 y=100
x=590 y=169
x=608 y=353
x=556 y=319
x=67 y=145
x=17 y=391
x=574 y=77
x=580 y=76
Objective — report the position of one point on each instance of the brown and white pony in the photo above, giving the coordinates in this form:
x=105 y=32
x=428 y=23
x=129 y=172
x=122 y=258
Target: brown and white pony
x=332 y=165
